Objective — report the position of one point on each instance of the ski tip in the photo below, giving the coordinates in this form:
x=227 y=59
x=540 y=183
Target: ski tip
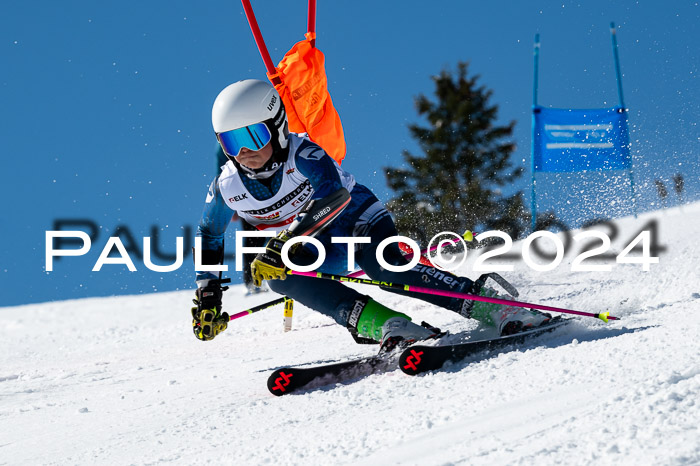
x=604 y=316
x=410 y=361
x=468 y=235
x=280 y=382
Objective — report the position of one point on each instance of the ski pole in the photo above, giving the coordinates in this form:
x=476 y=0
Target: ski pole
x=289 y=309
x=257 y=308
x=467 y=235
x=604 y=316
x=288 y=313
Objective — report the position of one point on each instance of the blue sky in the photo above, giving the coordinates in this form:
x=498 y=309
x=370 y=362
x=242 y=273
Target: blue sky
x=106 y=105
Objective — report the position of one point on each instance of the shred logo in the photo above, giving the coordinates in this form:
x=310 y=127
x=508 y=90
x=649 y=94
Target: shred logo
x=238 y=197
x=282 y=382
x=322 y=213
x=413 y=360
x=290 y=171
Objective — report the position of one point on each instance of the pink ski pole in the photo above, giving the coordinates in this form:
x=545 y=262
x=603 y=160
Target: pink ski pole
x=468 y=235
x=604 y=316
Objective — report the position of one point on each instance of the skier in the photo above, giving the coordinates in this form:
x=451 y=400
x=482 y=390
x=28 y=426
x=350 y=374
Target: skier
x=283 y=182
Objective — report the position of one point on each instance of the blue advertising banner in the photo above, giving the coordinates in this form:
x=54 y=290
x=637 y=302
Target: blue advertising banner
x=570 y=140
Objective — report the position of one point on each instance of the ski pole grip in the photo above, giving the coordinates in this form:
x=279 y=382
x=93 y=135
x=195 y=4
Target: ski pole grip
x=288 y=313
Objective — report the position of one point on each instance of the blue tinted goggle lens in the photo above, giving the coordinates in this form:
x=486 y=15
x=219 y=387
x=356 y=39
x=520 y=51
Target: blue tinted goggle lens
x=253 y=137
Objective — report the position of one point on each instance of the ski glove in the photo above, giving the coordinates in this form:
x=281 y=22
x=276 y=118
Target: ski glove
x=268 y=265
x=207 y=319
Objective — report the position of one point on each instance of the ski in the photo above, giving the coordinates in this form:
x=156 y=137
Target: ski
x=413 y=360
x=287 y=380
x=419 y=358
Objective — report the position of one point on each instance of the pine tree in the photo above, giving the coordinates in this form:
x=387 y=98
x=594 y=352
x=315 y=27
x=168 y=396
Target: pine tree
x=456 y=184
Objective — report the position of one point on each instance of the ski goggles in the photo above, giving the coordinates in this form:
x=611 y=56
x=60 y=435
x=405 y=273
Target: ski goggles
x=252 y=137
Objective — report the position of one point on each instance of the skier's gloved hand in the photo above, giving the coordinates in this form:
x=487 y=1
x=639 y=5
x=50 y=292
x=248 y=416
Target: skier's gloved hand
x=207 y=319
x=268 y=265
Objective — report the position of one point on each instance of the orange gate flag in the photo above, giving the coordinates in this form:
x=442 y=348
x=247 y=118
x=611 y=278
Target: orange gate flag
x=301 y=81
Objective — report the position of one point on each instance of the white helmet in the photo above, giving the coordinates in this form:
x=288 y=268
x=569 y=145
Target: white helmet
x=249 y=102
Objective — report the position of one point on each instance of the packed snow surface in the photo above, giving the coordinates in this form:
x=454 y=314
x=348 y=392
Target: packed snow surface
x=123 y=380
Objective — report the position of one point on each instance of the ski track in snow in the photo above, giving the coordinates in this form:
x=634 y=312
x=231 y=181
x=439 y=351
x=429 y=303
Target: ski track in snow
x=122 y=379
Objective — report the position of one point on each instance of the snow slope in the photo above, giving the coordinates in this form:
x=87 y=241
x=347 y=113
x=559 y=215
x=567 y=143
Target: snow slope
x=122 y=379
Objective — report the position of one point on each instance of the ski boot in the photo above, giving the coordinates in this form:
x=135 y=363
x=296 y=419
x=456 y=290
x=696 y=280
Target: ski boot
x=369 y=319
x=399 y=333
x=507 y=319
